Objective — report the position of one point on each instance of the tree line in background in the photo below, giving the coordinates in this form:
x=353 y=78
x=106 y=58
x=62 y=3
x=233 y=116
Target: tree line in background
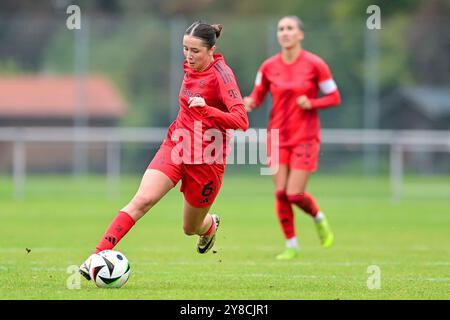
x=129 y=41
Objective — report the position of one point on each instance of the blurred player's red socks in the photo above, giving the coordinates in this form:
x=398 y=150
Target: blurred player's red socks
x=211 y=229
x=118 y=228
x=285 y=214
x=305 y=202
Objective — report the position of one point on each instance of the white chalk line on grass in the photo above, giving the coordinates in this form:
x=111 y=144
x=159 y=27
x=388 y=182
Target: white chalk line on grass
x=165 y=249
x=265 y=249
x=308 y=263
x=259 y=263
x=38 y=250
x=266 y=275
x=153 y=249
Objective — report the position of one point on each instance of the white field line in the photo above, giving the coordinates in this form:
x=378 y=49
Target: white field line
x=267 y=276
x=294 y=263
x=261 y=263
x=165 y=249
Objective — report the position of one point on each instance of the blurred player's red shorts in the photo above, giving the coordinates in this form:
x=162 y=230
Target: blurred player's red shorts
x=200 y=183
x=303 y=156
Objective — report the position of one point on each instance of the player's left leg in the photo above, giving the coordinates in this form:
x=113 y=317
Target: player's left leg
x=154 y=185
x=297 y=195
x=285 y=214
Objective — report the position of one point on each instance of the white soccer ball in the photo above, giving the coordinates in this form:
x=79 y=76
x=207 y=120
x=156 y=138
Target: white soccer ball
x=109 y=269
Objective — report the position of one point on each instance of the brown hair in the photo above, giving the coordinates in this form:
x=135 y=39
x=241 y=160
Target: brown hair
x=296 y=19
x=207 y=32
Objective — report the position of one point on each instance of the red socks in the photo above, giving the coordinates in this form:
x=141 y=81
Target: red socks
x=285 y=214
x=211 y=228
x=118 y=228
x=305 y=202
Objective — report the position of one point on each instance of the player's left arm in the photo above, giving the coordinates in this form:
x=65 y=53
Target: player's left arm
x=331 y=96
x=230 y=96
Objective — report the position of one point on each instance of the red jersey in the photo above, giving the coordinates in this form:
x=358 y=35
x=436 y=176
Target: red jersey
x=286 y=82
x=224 y=106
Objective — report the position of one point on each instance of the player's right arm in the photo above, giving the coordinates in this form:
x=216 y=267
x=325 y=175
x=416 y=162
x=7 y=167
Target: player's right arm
x=259 y=91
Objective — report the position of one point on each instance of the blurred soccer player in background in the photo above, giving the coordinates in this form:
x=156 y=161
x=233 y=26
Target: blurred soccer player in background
x=209 y=99
x=294 y=78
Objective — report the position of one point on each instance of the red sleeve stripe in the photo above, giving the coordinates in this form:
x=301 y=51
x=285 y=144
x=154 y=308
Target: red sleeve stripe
x=223 y=74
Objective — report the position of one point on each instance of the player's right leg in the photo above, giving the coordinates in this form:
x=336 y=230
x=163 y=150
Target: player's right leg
x=200 y=186
x=154 y=185
x=198 y=221
x=285 y=213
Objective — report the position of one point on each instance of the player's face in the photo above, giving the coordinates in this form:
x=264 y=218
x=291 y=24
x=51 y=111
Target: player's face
x=196 y=53
x=288 y=33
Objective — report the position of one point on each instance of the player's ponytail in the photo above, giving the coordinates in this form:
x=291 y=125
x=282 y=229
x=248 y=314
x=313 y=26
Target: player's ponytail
x=217 y=29
x=207 y=32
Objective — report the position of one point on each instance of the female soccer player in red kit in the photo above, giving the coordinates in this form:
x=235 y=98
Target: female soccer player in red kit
x=209 y=100
x=294 y=77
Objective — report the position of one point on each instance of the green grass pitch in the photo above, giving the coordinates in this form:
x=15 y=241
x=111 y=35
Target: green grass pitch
x=61 y=219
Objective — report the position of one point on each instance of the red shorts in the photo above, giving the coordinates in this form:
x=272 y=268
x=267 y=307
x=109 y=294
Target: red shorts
x=200 y=183
x=303 y=156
